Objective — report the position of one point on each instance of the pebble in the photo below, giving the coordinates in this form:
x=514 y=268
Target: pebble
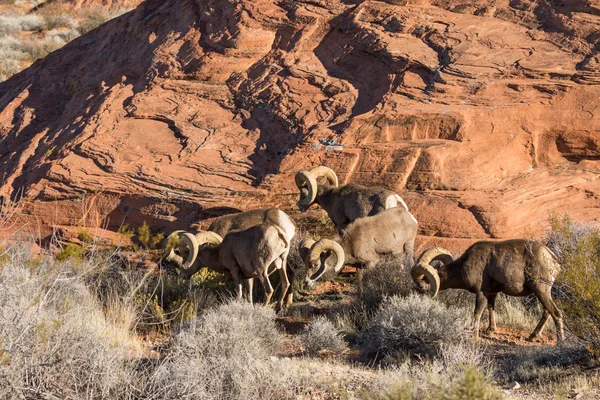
x=514 y=385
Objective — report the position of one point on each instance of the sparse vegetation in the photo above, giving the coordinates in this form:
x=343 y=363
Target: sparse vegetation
x=389 y=278
x=321 y=336
x=56 y=339
x=227 y=354
x=578 y=285
x=414 y=324
x=147 y=239
x=413 y=347
x=25 y=38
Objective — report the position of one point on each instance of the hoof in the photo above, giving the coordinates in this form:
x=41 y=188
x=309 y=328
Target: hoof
x=490 y=331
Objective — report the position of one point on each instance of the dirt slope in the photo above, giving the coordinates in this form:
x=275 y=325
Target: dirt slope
x=484 y=115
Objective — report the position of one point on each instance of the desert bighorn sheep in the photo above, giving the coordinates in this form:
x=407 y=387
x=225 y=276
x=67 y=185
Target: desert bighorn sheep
x=517 y=267
x=242 y=254
x=345 y=203
x=362 y=244
x=244 y=220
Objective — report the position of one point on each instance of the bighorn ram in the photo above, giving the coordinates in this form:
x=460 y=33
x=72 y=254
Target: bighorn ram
x=244 y=220
x=243 y=255
x=362 y=244
x=346 y=203
x=516 y=267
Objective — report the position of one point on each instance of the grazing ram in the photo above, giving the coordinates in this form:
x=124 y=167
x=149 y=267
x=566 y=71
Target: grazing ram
x=516 y=267
x=244 y=220
x=345 y=203
x=242 y=254
x=362 y=244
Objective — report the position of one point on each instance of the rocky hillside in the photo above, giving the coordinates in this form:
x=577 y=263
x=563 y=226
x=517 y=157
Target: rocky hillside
x=483 y=114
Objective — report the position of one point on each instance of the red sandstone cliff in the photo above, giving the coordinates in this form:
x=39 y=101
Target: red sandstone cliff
x=484 y=116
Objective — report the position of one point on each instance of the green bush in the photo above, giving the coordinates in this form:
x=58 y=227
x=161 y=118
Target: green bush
x=472 y=385
x=578 y=284
x=147 y=239
x=70 y=251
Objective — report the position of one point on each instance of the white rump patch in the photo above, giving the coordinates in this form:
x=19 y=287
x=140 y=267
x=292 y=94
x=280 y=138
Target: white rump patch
x=397 y=201
x=287 y=225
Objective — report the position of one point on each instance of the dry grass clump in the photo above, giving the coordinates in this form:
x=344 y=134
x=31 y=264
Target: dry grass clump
x=10 y=24
x=460 y=371
x=40 y=48
x=56 y=15
x=56 y=341
x=578 y=285
x=557 y=371
x=33 y=36
x=389 y=278
x=414 y=324
x=321 y=335
x=229 y=353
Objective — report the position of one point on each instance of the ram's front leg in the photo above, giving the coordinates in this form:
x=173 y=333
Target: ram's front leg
x=236 y=275
x=248 y=284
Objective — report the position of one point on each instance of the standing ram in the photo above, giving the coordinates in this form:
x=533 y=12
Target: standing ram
x=515 y=267
x=241 y=254
x=362 y=244
x=345 y=203
x=244 y=220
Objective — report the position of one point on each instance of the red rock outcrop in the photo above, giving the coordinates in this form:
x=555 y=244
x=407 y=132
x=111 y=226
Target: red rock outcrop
x=483 y=114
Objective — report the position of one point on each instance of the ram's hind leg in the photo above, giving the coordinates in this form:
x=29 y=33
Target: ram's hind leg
x=544 y=296
x=264 y=279
x=285 y=287
x=289 y=295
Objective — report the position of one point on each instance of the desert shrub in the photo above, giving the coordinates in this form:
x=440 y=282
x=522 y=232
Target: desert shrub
x=36 y=49
x=229 y=353
x=414 y=324
x=10 y=56
x=66 y=35
x=578 y=284
x=10 y=24
x=92 y=19
x=389 y=278
x=472 y=385
x=126 y=230
x=85 y=236
x=71 y=251
x=147 y=239
x=461 y=371
x=55 y=16
x=56 y=340
x=162 y=301
x=321 y=335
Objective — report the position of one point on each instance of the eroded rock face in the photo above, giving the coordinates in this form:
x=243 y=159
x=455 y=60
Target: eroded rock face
x=484 y=115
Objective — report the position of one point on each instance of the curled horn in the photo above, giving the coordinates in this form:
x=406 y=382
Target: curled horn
x=181 y=240
x=304 y=250
x=327 y=173
x=208 y=237
x=435 y=254
x=424 y=271
x=323 y=245
x=305 y=179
